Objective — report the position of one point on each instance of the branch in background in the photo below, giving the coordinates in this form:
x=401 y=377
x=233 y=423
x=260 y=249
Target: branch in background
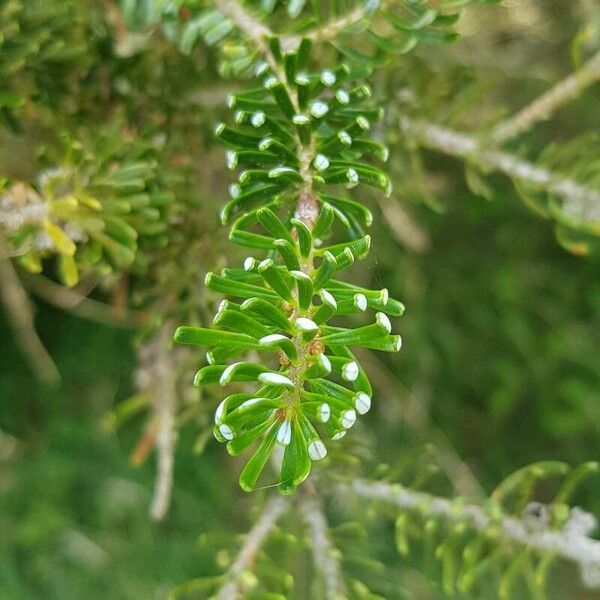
x=581 y=202
x=331 y=30
x=325 y=555
x=252 y=28
x=572 y=542
x=254 y=541
x=542 y=108
x=20 y=317
x=415 y=414
x=157 y=375
x=71 y=300
x=403 y=226
x=258 y=32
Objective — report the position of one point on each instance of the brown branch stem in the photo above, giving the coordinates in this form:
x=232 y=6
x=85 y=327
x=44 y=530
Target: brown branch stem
x=20 y=317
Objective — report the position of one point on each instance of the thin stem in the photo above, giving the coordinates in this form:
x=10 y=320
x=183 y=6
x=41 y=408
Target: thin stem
x=331 y=30
x=159 y=369
x=78 y=304
x=403 y=226
x=572 y=542
x=254 y=541
x=580 y=201
x=325 y=555
x=258 y=31
x=542 y=107
x=19 y=312
x=415 y=413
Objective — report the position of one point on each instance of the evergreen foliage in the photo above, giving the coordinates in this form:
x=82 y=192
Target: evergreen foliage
x=107 y=140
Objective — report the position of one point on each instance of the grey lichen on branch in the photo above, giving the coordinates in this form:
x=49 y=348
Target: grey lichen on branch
x=580 y=201
x=326 y=557
x=258 y=32
x=572 y=542
x=234 y=585
x=545 y=105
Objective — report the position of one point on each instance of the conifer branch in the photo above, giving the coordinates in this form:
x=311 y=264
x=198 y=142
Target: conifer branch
x=254 y=541
x=325 y=555
x=581 y=201
x=258 y=33
x=404 y=227
x=572 y=542
x=331 y=30
x=158 y=375
x=255 y=31
x=542 y=107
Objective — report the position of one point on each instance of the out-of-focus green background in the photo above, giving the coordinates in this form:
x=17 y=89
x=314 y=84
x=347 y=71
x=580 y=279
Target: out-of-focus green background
x=501 y=359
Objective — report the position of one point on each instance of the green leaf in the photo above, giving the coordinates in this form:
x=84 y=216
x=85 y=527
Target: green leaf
x=360 y=335
x=254 y=467
x=208 y=374
x=241 y=371
x=392 y=46
x=327 y=309
x=305 y=288
x=275 y=280
x=344 y=260
x=360 y=248
x=248 y=199
x=252 y=408
x=242 y=442
x=220 y=354
x=250 y=240
x=361 y=383
x=303 y=54
x=285 y=344
x=287 y=250
x=324 y=221
x=424 y=18
x=200 y=336
x=271 y=222
x=68 y=270
x=230 y=403
x=304 y=237
x=237 y=288
x=320 y=366
x=289 y=66
x=331 y=390
x=296 y=463
x=268 y=311
x=234 y=137
x=325 y=271
x=240 y=322
x=390 y=343
x=281 y=96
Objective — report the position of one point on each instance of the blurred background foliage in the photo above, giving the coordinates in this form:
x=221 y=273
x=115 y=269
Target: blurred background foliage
x=500 y=359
